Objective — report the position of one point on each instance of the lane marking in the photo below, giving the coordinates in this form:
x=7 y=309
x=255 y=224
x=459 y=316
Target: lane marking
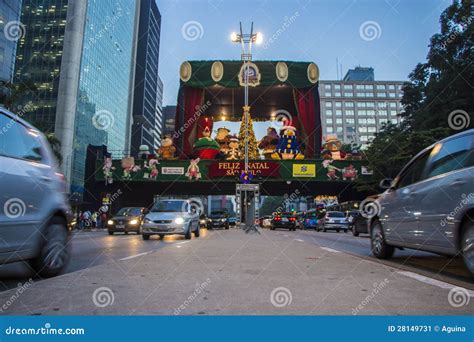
x=327 y=249
x=432 y=281
x=135 y=256
x=299 y=240
x=181 y=243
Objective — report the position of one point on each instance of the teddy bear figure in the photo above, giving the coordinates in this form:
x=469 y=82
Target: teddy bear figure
x=269 y=143
x=167 y=149
x=222 y=139
x=332 y=148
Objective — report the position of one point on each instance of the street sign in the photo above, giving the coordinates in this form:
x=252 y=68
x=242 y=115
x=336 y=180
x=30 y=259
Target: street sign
x=247 y=187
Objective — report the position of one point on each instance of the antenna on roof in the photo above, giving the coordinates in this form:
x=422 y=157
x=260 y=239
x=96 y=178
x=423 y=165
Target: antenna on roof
x=337 y=69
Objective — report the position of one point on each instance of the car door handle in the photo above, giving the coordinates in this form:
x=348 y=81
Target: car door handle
x=458 y=182
x=45 y=178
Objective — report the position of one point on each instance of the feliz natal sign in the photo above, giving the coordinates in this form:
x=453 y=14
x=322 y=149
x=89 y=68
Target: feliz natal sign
x=234 y=169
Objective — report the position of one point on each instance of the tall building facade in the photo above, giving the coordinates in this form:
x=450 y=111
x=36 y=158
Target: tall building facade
x=38 y=58
x=169 y=120
x=80 y=56
x=148 y=88
x=356 y=110
x=10 y=32
x=360 y=74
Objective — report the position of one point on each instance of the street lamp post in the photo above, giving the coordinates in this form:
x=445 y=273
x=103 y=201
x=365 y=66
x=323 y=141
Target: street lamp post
x=246 y=41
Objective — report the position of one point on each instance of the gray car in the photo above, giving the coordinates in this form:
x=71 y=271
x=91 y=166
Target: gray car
x=170 y=217
x=430 y=205
x=33 y=207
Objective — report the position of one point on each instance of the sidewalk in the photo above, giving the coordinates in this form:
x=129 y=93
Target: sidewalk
x=230 y=272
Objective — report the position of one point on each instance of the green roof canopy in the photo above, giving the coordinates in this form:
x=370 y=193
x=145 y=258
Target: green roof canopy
x=203 y=74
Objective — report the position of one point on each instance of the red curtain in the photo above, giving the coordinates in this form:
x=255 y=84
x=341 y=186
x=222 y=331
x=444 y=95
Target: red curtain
x=309 y=120
x=193 y=98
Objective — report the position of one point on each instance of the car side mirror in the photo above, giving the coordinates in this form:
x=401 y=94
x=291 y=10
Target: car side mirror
x=386 y=183
x=145 y=211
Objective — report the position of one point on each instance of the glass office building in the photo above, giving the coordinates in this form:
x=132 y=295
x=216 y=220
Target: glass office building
x=105 y=88
x=38 y=58
x=9 y=17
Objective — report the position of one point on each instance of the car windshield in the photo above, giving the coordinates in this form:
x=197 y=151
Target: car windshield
x=169 y=206
x=335 y=214
x=218 y=213
x=129 y=212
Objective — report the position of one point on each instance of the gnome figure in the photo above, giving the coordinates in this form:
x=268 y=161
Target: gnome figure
x=233 y=152
x=288 y=147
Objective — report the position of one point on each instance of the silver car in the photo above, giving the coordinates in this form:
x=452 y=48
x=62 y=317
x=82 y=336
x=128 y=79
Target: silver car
x=169 y=217
x=33 y=207
x=430 y=205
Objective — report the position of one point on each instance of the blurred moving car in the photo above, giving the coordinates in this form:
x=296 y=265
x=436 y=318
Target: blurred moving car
x=358 y=224
x=35 y=215
x=284 y=220
x=218 y=219
x=126 y=220
x=266 y=221
x=430 y=204
x=333 y=220
x=203 y=220
x=310 y=220
x=169 y=217
x=232 y=220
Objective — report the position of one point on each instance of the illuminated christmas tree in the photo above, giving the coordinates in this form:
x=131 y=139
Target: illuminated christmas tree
x=252 y=141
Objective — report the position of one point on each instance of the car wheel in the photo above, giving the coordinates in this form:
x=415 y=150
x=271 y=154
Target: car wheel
x=145 y=237
x=197 y=232
x=324 y=229
x=187 y=235
x=467 y=245
x=337 y=230
x=126 y=233
x=354 y=231
x=380 y=249
x=161 y=236
x=227 y=227
x=54 y=252
x=111 y=233
x=345 y=230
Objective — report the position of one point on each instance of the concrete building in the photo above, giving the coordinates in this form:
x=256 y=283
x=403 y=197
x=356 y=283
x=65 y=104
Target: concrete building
x=169 y=119
x=148 y=88
x=355 y=110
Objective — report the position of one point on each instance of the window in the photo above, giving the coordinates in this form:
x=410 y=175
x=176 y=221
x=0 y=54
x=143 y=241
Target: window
x=370 y=104
x=327 y=86
x=381 y=95
x=393 y=105
x=350 y=121
x=414 y=172
x=348 y=94
x=338 y=104
x=393 y=113
x=360 y=104
x=329 y=130
x=452 y=155
x=17 y=141
x=328 y=93
x=337 y=86
x=380 y=86
x=360 y=94
x=369 y=87
x=382 y=113
x=360 y=87
x=362 y=112
x=337 y=94
x=362 y=121
x=371 y=112
x=371 y=121
x=328 y=104
x=382 y=105
x=339 y=129
x=391 y=95
x=338 y=112
x=349 y=104
x=372 y=129
x=349 y=112
x=391 y=87
x=328 y=112
x=339 y=121
x=329 y=121
x=348 y=86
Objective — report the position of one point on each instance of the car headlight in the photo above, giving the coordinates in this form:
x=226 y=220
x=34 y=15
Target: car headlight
x=179 y=220
x=133 y=222
x=110 y=222
x=202 y=221
x=223 y=220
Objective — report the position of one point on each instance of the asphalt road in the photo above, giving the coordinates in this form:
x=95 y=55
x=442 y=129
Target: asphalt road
x=89 y=249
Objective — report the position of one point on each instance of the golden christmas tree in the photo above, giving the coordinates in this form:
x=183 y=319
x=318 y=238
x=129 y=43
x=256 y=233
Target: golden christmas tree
x=252 y=141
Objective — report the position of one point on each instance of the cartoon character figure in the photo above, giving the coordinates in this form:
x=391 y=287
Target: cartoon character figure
x=332 y=148
x=108 y=169
x=269 y=143
x=167 y=149
x=143 y=152
x=205 y=147
x=153 y=164
x=193 y=170
x=288 y=147
x=349 y=172
x=129 y=167
x=332 y=170
x=222 y=139
x=233 y=153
